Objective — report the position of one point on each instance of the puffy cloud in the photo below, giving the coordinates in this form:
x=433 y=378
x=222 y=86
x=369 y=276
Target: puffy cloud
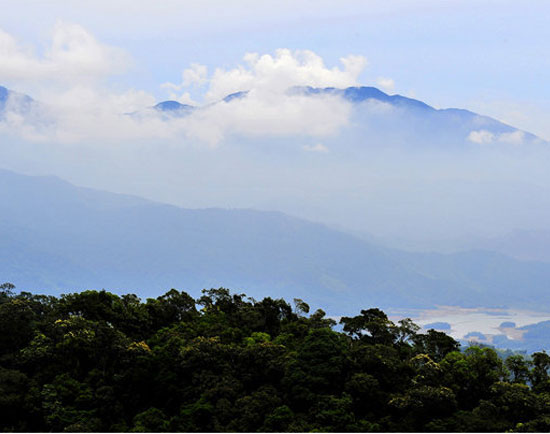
x=267 y=108
x=90 y=114
x=481 y=137
x=386 y=84
x=484 y=137
x=271 y=114
x=66 y=80
x=74 y=55
x=76 y=105
x=274 y=73
x=514 y=138
x=195 y=75
x=87 y=113
x=83 y=110
x=185 y=98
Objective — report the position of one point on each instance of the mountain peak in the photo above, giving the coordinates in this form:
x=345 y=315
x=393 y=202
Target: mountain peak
x=170 y=105
x=358 y=94
x=19 y=102
x=3 y=93
x=415 y=117
x=236 y=95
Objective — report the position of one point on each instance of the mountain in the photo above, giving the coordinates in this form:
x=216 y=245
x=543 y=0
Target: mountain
x=408 y=120
x=529 y=245
x=15 y=102
x=522 y=244
x=3 y=97
x=396 y=167
x=56 y=237
x=394 y=120
x=363 y=93
x=411 y=118
x=390 y=119
x=174 y=108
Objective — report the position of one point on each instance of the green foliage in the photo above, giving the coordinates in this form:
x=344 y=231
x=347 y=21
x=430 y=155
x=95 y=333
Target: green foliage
x=96 y=361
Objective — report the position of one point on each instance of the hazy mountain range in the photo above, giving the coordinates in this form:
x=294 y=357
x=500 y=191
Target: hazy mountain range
x=453 y=118
x=56 y=237
x=409 y=117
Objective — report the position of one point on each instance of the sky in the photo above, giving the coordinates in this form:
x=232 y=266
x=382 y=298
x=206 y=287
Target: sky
x=316 y=157
x=488 y=56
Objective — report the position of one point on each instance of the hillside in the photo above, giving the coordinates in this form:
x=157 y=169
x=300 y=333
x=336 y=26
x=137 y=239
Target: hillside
x=56 y=238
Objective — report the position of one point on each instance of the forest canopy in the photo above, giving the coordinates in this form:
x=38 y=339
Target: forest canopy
x=96 y=361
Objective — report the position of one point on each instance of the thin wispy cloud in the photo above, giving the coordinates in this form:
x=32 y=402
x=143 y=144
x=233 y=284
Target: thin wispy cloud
x=318 y=147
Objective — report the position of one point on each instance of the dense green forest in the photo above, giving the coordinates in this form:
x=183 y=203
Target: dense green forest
x=95 y=361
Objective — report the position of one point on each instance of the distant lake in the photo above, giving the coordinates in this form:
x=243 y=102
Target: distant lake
x=463 y=321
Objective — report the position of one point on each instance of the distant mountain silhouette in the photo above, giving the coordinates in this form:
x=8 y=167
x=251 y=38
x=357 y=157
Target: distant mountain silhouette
x=3 y=96
x=56 y=237
x=173 y=106
x=364 y=93
x=14 y=101
x=530 y=245
x=412 y=118
x=410 y=121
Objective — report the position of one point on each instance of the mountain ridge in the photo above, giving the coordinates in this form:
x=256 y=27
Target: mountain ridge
x=60 y=238
x=353 y=94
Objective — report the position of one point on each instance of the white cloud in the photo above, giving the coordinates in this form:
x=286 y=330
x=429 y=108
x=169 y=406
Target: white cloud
x=268 y=114
x=373 y=106
x=527 y=115
x=195 y=75
x=73 y=55
x=268 y=109
x=386 y=84
x=513 y=138
x=86 y=110
x=484 y=137
x=68 y=78
x=481 y=137
x=87 y=114
x=274 y=73
x=185 y=98
x=319 y=147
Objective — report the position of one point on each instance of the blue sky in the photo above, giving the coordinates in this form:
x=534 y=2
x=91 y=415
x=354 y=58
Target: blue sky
x=492 y=57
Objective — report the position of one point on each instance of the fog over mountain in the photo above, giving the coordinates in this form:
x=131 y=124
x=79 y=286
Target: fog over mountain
x=274 y=216
x=355 y=158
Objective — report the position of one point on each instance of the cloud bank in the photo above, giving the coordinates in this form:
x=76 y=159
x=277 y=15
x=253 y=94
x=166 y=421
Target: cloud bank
x=69 y=79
